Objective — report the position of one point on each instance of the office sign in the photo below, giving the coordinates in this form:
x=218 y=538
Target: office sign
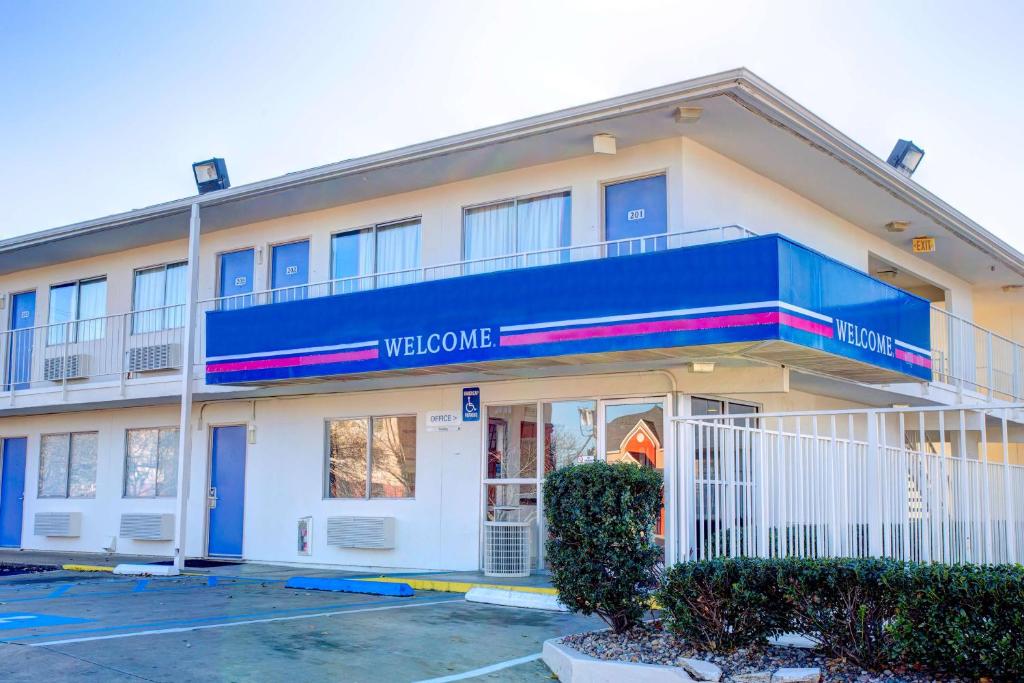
x=471 y=404
x=443 y=421
x=756 y=289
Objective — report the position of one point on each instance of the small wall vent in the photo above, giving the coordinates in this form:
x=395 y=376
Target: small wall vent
x=375 y=533
x=61 y=524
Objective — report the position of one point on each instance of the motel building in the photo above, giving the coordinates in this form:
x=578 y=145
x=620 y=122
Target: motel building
x=374 y=363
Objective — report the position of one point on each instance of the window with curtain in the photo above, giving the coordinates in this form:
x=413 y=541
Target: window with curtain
x=493 y=232
x=151 y=463
x=158 y=298
x=372 y=457
x=377 y=256
x=67 y=465
x=77 y=310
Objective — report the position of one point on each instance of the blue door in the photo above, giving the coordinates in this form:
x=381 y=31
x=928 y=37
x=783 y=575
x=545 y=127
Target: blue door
x=19 y=355
x=290 y=270
x=636 y=208
x=12 y=491
x=235 y=280
x=227 y=491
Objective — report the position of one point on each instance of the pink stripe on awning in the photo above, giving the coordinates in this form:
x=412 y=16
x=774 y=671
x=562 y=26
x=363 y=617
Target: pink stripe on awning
x=914 y=358
x=292 y=361
x=628 y=329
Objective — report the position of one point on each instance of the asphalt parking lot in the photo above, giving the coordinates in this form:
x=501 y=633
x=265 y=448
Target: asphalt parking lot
x=60 y=625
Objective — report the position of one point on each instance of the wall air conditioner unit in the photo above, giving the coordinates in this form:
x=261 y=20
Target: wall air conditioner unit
x=375 y=533
x=62 y=524
x=155 y=357
x=62 y=368
x=147 y=526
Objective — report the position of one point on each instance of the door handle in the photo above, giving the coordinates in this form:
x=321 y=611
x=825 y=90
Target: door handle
x=212 y=497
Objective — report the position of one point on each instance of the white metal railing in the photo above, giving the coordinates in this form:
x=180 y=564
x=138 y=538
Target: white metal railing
x=111 y=348
x=928 y=484
x=970 y=357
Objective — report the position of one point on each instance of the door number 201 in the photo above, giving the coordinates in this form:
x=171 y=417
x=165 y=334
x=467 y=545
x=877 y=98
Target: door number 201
x=635 y=215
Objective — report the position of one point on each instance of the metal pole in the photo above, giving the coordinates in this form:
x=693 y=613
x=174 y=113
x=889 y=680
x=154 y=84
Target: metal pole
x=184 y=428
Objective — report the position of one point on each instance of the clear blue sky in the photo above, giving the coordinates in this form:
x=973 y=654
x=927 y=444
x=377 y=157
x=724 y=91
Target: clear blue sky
x=105 y=105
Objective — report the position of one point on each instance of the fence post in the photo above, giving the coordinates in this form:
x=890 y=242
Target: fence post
x=989 y=362
x=126 y=322
x=64 y=362
x=873 y=487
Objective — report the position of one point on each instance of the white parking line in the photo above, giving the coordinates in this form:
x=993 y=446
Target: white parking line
x=483 y=670
x=183 y=629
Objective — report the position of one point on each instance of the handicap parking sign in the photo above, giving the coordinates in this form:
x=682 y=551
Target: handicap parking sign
x=471 y=404
x=9 y=620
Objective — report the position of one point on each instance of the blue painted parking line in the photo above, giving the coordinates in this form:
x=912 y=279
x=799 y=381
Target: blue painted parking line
x=227 y=618
x=140 y=585
x=12 y=620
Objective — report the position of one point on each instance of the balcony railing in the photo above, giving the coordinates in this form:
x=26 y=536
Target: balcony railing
x=125 y=347
x=970 y=357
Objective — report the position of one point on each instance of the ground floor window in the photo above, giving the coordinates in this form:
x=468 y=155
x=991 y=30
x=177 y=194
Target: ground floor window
x=151 y=463
x=371 y=457
x=67 y=465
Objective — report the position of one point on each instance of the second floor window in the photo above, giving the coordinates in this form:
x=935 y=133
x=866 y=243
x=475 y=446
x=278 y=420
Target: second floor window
x=379 y=256
x=158 y=298
x=77 y=311
x=534 y=228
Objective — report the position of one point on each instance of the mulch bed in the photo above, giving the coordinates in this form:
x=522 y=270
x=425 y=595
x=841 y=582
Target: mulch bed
x=8 y=569
x=651 y=644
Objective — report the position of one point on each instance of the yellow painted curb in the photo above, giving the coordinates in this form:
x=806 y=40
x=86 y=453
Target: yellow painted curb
x=86 y=568
x=457 y=586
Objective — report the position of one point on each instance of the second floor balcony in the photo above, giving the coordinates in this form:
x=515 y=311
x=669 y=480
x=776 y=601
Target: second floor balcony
x=117 y=354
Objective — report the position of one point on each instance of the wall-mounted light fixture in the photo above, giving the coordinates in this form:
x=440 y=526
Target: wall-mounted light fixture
x=604 y=143
x=688 y=114
x=897 y=226
x=905 y=157
x=702 y=367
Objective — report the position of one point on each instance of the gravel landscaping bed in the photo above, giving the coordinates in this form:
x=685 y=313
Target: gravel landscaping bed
x=8 y=569
x=650 y=644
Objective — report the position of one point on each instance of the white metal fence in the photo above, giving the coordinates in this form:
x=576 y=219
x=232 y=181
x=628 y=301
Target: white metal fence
x=930 y=484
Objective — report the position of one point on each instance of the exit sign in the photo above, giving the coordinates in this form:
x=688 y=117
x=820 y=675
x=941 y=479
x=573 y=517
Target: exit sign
x=924 y=245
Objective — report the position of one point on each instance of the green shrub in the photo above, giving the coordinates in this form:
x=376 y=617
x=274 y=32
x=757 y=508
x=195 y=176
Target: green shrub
x=724 y=604
x=962 y=619
x=601 y=520
x=844 y=604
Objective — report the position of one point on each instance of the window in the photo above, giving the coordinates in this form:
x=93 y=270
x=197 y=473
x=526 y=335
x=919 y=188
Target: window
x=158 y=298
x=151 y=463
x=378 y=256
x=372 y=457
x=633 y=209
x=67 y=465
x=515 y=226
x=84 y=301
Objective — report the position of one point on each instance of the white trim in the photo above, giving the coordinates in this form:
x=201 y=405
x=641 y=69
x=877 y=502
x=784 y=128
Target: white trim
x=662 y=314
x=507 y=664
x=305 y=349
x=918 y=349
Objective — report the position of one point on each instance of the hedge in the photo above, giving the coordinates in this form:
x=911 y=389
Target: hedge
x=601 y=551
x=966 y=620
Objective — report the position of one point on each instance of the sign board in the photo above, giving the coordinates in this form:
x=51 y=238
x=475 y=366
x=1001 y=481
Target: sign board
x=443 y=421
x=471 y=404
x=924 y=245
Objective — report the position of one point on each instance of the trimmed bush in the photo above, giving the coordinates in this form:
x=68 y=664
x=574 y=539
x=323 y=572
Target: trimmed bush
x=962 y=619
x=724 y=604
x=844 y=604
x=601 y=520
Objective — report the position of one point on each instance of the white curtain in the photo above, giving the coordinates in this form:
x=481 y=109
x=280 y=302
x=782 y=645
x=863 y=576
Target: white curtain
x=398 y=249
x=352 y=257
x=63 y=303
x=148 y=297
x=542 y=223
x=489 y=232
x=175 y=294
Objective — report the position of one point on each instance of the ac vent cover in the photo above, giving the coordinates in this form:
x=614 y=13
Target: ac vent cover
x=66 y=524
x=61 y=368
x=361 y=532
x=155 y=357
x=147 y=526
